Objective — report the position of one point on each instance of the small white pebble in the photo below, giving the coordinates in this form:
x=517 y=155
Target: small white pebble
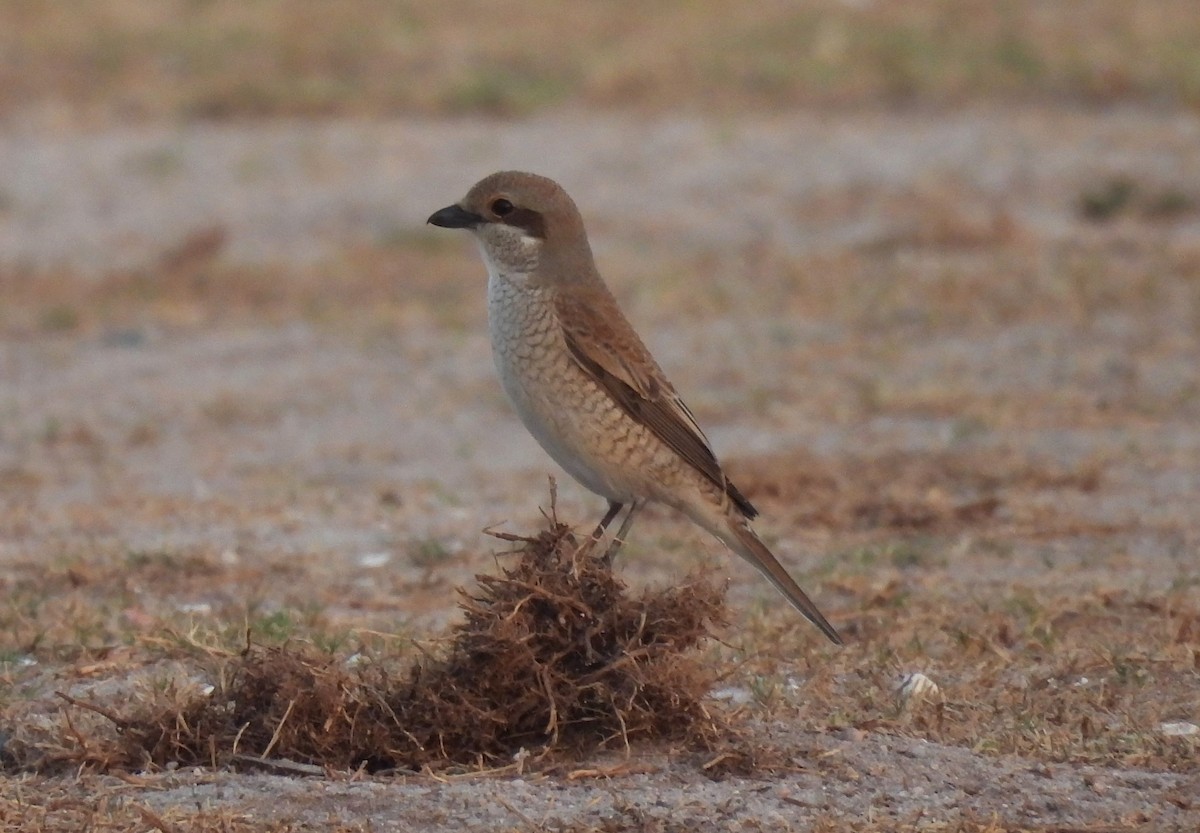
x=736 y=695
x=917 y=687
x=373 y=560
x=1179 y=729
x=207 y=690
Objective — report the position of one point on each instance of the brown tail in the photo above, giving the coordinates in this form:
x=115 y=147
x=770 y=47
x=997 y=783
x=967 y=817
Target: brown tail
x=745 y=543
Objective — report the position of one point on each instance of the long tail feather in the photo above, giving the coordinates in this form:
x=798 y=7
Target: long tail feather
x=745 y=543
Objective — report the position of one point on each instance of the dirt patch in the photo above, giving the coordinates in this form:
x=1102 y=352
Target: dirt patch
x=931 y=492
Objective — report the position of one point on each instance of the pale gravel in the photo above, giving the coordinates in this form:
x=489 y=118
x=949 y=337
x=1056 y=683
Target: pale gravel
x=299 y=191
x=901 y=779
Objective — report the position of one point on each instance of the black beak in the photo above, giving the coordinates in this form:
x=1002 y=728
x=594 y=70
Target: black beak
x=452 y=216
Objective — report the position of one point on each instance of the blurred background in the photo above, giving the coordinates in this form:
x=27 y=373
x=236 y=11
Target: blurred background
x=119 y=61
x=846 y=228
x=927 y=272
x=279 y=131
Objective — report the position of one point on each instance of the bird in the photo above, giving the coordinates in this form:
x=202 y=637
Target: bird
x=585 y=385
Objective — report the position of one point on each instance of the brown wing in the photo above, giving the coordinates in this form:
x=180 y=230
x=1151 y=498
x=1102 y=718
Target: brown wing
x=608 y=350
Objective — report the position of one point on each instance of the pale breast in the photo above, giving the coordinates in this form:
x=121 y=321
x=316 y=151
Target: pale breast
x=571 y=417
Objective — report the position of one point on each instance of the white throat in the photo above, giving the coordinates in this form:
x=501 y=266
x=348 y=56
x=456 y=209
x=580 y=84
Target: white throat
x=502 y=270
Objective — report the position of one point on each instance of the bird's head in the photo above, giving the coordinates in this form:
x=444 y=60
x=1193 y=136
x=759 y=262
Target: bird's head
x=526 y=224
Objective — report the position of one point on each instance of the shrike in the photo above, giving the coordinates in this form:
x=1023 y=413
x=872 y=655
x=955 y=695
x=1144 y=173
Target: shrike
x=582 y=381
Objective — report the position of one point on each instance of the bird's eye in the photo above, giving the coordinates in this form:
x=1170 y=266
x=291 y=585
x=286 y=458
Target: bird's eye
x=502 y=207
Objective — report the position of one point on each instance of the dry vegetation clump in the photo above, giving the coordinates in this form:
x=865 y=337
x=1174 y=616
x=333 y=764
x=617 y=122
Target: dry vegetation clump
x=553 y=657
x=926 y=492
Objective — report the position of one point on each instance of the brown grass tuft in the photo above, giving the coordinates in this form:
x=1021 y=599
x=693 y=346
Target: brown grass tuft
x=553 y=657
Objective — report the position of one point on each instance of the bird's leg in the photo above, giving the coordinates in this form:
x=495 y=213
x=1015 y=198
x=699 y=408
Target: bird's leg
x=614 y=509
x=597 y=535
x=619 y=538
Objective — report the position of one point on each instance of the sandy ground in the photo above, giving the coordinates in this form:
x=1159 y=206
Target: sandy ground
x=296 y=191
x=311 y=459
